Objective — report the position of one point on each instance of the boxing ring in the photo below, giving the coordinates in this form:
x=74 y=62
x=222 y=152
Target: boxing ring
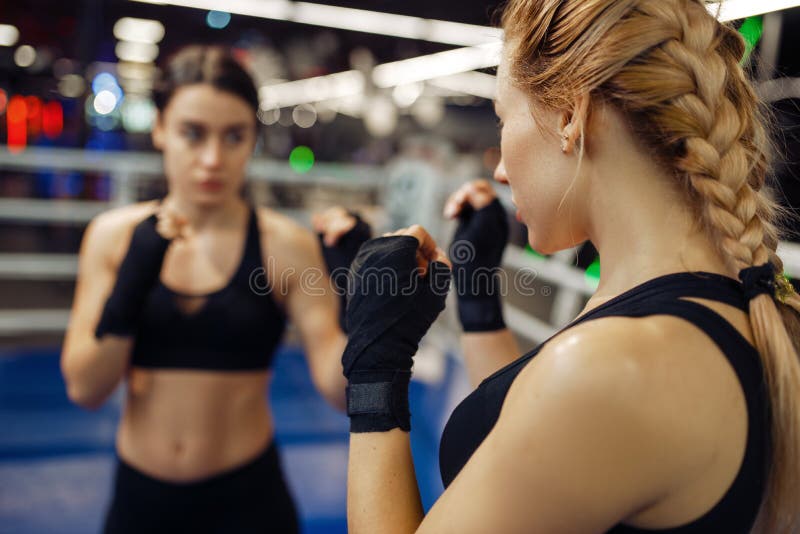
x=56 y=459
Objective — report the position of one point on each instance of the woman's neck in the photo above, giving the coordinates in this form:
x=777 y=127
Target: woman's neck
x=201 y=216
x=644 y=228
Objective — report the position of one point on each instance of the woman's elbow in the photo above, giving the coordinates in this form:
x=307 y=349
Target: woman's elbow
x=84 y=397
x=332 y=388
x=79 y=391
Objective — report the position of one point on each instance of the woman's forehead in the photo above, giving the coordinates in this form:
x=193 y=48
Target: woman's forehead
x=207 y=105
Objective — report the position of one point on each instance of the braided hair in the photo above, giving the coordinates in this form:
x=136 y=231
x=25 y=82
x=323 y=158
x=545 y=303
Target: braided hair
x=674 y=71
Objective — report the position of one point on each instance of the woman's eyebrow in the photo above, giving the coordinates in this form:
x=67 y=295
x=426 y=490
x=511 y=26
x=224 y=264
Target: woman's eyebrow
x=193 y=123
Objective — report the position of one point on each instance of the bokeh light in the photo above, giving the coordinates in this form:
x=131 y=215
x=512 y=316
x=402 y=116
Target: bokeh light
x=9 y=35
x=107 y=82
x=751 y=29
x=592 y=274
x=25 y=56
x=17 y=124
x=218 y=19
x=34 y=110
x=380 y=116
x=301 y=159
x=304 y=115
x=405 y=95
x=72 y=86
x=52 y=119
x=269 y=116
x=105 y=102
x=138 y=114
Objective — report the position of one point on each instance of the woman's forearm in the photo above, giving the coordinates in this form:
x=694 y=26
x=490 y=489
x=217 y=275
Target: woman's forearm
x=486 y=352
x=94 y=370
x=382 y=492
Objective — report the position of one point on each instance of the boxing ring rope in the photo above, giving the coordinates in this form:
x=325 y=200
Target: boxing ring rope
x=569 y=285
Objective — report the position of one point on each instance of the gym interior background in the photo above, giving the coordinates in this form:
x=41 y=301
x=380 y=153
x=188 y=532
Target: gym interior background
x=384 y=106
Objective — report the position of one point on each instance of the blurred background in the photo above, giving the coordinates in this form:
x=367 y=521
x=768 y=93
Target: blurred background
x=380 y=105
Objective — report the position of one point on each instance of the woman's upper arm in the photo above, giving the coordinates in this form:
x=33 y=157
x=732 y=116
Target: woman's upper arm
x=300 y=278
x=577 y=448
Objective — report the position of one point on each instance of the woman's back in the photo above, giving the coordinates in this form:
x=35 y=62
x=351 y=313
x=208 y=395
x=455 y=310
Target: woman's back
x=693 y=373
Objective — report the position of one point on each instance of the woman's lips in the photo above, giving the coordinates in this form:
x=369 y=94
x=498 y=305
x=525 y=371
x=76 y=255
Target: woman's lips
x=211 y=185
x=519 y=216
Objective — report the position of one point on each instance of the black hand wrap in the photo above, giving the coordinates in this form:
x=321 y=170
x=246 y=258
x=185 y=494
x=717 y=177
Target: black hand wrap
x=476 y=252
x=391 y=308
x=339 y=257
x=138 y=273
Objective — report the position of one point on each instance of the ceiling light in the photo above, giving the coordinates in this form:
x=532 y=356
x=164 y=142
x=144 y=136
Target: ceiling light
x=9 y=35
x=139 y=30
x=439 y=31
x=436 y=65
x=741 y=9
x=468 y=83
x=310 y=90
x=136 y=52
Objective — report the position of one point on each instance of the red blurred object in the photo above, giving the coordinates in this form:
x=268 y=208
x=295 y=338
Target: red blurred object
x=17 y=118
x=34 y=116
x=3 y=101
x=53 y=119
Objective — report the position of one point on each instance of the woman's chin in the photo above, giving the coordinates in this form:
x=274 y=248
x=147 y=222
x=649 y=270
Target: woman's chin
x=544 y=248
x=211 y=200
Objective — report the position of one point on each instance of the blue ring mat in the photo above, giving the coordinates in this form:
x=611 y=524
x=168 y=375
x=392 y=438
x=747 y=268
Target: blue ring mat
x=56 y=460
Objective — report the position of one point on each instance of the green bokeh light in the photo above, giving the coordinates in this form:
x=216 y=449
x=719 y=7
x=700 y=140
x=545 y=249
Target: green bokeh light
x=752 y=28
x=532 y=252
x=301 y=159
x=593 y=273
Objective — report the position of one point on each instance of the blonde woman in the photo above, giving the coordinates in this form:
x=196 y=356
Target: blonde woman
x=671 y=404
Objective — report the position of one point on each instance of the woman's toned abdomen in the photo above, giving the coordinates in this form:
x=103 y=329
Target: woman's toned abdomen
x=185 y=425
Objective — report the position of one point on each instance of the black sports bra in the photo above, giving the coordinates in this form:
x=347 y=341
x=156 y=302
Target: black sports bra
x=237 y=328
x=735 y=513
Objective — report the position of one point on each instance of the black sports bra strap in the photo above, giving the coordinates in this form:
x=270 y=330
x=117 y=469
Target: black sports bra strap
x=711 y=287
x=708 y=286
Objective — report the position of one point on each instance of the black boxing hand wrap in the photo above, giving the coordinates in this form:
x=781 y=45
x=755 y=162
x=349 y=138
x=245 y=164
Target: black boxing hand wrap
x=377 y=401
x=138 y=273
x=391 y=308
x=476 y=252
x=339 y=257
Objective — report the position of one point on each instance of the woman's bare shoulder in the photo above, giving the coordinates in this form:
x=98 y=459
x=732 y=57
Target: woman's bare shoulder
x=660 y=373
x=110 y=231
x=283 y=235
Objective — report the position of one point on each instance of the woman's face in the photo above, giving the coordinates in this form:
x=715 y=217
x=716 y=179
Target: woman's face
x=207 y=136
x=543 y=181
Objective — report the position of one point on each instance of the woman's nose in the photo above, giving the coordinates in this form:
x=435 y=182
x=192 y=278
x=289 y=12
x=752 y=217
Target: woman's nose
x=500 y=172
x=212 y=153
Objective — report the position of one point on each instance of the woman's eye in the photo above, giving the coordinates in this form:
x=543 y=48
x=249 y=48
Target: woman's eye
x=234 y=138
x=500 y=123
x=192 y=134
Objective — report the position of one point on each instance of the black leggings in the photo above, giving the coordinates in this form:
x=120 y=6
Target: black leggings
x=249 y=499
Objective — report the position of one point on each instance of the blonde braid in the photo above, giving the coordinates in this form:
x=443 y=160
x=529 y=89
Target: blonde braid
x=725 y=168
x=674 y=71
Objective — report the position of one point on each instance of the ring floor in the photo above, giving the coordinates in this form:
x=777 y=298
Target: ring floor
x=56 y=460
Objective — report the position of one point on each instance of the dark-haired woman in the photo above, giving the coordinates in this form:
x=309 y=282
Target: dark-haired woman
x=187 y=298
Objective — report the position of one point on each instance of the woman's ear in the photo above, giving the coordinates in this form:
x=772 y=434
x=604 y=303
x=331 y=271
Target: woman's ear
x=573 y=124
x=157 y=135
